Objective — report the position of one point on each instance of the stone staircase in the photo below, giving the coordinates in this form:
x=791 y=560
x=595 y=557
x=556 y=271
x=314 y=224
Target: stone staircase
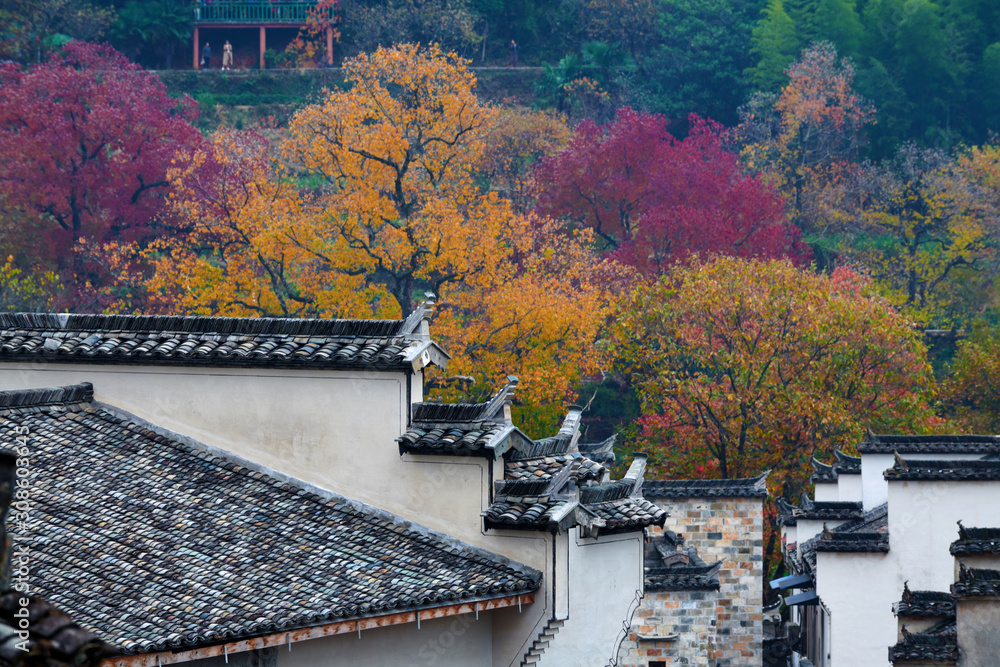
x=548 y=633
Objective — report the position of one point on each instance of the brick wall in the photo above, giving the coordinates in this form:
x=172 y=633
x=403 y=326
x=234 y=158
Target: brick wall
x=721 y=628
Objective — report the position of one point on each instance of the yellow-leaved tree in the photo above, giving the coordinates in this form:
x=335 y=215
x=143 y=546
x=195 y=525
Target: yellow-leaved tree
x=374 y=199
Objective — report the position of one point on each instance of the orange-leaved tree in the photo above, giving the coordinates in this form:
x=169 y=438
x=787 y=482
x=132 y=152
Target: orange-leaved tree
x=744 y=366
x=394 y=152
x=804 y=138
x=374 y=200
x=747 y=365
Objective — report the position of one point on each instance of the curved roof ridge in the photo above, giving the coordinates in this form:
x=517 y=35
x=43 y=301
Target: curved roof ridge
x=286 y=326
x=46 y=397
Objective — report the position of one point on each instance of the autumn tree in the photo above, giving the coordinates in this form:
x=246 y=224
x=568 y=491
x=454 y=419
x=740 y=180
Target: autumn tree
x=970 y=391
x=803 y=137
x=374 y=202
x=85 y=143
x=515 y=143
x=745 y=365
x=929 y=227
x=653 y=199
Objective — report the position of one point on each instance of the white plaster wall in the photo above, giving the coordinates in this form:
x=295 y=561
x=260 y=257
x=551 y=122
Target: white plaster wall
x=605 y=576
x=826 y=492
x=874 y=489
x=807 y=529
x=874 y=485
x=858 y=591
x=849 y=488
x=923 y=520
x=334 y=429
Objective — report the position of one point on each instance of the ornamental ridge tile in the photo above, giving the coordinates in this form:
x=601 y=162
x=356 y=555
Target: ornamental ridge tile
x=925 y=604
x=976 y=541
x=976 y=582
x=162 y=543
x=938 y=644
x=549 y=485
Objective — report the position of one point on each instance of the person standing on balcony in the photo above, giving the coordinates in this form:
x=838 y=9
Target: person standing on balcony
x=227 y=56
x=206 y=56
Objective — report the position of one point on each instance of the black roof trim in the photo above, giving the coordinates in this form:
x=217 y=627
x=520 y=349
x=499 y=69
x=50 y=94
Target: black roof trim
x=47 y=396
x=830 y=511
x=832 y=542
x=925 y=604
x=684 y=577
x=253 y=326
x=943 y=471
x=929 y=444
x=976 y=541
x=749 y=487
x=976 y=582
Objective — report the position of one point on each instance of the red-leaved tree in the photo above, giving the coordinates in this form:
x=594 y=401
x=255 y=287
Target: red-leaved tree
x=86 y=140
x=654 y=200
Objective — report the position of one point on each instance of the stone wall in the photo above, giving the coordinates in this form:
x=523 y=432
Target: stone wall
x=721 y=628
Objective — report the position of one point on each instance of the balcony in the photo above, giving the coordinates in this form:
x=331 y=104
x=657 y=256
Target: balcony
x=257 y=12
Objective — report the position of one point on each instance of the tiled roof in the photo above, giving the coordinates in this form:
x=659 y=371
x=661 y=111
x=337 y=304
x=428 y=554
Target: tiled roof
x=852 y=542
x=455 y=439
x=944 y=471
x=873 y=527
x=616 y=506
x=829 y=511
x=976 y=582
x=602 y=452
x=843 y=465
x=925 y=603
x=929 y=444
x=213 y=341
x=876 y=520
x=550 y=486
x=156 y=543
x=53 y=638
x=463 y=429
x=683 y=578
x=935 y=644
x=669 y=565
x=751 y=487
x=976 y=541
x=545 y=467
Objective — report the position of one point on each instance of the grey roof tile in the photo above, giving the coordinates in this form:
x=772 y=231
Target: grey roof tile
x=750 y=487
x=53 y=638
x=843 y=464
x=976 y=541
x=158 y=544
x=939 y=644
x=943 y=471
x=976 y=582
x=929 y=444
x=213 y=341
x=925 y=603
x=683 y=577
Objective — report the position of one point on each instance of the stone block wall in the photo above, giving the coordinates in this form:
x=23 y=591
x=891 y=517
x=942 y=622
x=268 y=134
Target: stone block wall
x=721 y=628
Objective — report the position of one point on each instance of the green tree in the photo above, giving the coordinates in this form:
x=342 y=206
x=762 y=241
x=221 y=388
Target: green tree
x=697 y=63
x=775 y=45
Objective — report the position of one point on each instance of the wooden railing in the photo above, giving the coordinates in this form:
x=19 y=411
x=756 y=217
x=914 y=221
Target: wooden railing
x=256 y=11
